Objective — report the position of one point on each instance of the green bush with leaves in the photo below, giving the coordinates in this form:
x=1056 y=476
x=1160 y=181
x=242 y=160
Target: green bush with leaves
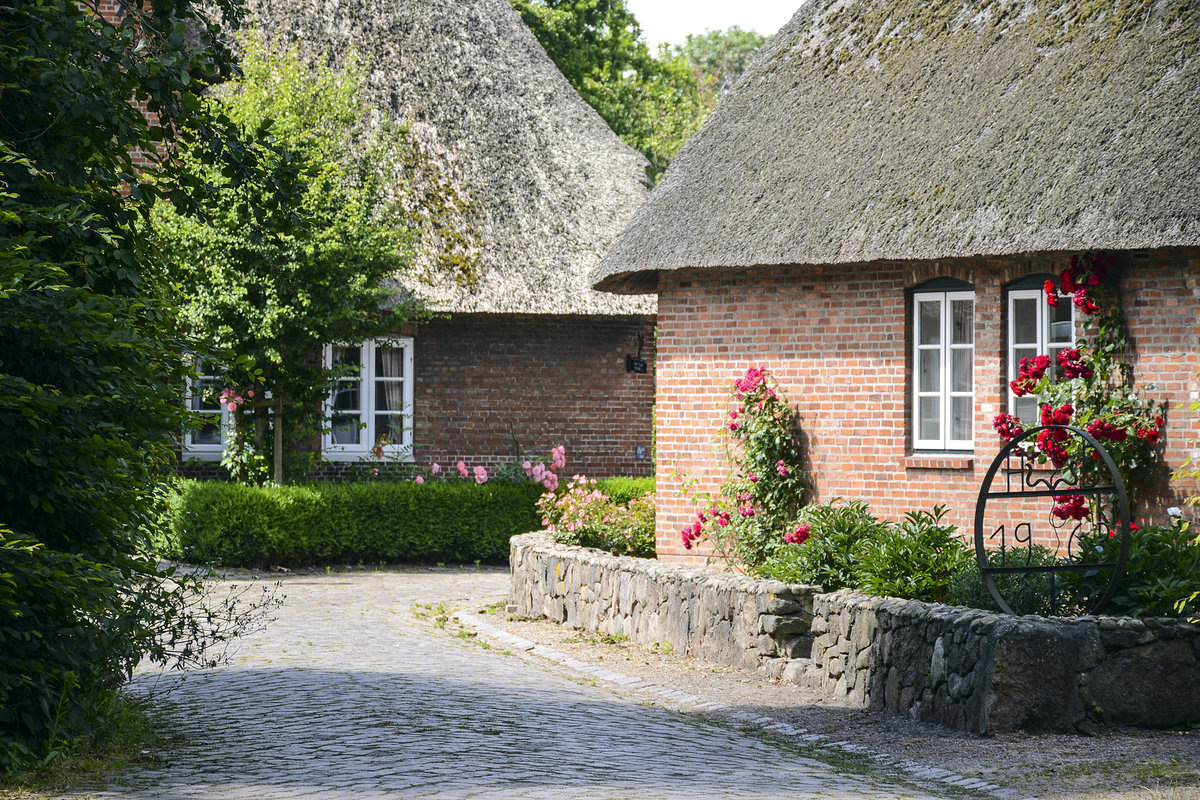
x=829 y=556
x=90 y=343
x=1161 y=575
x=610 y=515
x=915 y=558
x=373 y=521
x=1030 y=592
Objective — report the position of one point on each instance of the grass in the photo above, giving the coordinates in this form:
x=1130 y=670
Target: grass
x=130 y=736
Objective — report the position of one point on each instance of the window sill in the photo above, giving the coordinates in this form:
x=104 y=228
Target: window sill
x=939 y=461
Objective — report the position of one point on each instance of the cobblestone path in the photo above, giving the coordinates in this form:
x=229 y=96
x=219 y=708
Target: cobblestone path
x=352 y=693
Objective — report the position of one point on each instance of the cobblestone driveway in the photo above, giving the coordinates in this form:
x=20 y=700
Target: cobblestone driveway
x=350 y=694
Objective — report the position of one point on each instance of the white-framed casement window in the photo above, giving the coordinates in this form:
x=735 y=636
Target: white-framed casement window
x=374 y=405
x=944 y=364
x=1035 y=328
x=207 y=441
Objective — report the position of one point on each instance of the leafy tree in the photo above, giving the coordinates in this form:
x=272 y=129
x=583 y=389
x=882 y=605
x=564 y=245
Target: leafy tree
x=718 y=57
x=89 y=364
x=654 y=103
x=275 y=297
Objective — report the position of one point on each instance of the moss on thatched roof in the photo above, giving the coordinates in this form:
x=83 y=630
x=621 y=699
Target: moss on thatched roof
x=517 y=184
x=906 y=129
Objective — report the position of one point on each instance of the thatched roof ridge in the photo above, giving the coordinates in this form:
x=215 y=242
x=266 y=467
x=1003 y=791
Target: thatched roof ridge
x=870 y=130
x=519 y=185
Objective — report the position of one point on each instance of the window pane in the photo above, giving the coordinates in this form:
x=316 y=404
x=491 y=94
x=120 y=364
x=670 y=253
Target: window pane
x=1020 y=353
x=351 y=356
x=389 y=396
x=929 y=322
x=389 y=362
x=1061 y=329
x=929 y=417
x=1025 y=321
x=961 y=364
x=209 y=433
x=960 y=422
x=930 y=379
x=391 y=426
x=1026 y=409
x=346 y=397
x=962 y=326
x=345 y=429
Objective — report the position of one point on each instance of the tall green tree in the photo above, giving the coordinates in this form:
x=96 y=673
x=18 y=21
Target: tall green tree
x=274 y=295
x=89 y=344
x=654 y=103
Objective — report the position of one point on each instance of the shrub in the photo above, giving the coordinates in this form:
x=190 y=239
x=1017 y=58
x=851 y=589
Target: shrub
x=759 y=499
x=586 y=516
x=1027 y=593
x=345 y=522
x=1162 y=573
x=915 y=559
x=827 y=558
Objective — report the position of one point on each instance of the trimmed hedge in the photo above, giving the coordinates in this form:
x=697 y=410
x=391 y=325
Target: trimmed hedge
x=622 y=490
x=234 y=525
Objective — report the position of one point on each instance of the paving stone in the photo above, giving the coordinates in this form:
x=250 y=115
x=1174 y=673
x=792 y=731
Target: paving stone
x=350 y=694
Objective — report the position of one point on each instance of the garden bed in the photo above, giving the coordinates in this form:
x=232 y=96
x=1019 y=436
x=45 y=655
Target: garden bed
x=968 y=669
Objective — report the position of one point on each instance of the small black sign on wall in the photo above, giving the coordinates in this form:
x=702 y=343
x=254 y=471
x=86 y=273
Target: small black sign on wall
x=637 y=365
x=639 y=452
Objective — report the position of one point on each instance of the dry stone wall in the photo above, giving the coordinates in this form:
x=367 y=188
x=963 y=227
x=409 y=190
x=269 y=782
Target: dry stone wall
x=968 y=669
x=718 y=616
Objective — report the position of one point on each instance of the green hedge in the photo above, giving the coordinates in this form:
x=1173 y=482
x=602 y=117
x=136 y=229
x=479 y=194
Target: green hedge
x=225 y=523
x=622 y=490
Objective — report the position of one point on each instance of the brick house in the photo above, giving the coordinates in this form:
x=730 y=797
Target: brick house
x=517 y=187
x=853 y=178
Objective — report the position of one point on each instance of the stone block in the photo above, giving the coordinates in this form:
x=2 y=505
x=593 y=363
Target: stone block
x=796 y=647
x=782 y=626
x=1151 y=686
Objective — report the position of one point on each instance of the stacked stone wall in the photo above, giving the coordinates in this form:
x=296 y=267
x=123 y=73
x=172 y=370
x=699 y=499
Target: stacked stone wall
x=967 y=669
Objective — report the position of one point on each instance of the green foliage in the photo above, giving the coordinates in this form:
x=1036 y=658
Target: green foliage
x=1162 y=572
x=586 y=516
x=654 y=104
x=719 y=57
x=829 y=557
x=1030 y=592
x=622 y=490
x=89 y=344
x=915 y=559
x=764 y=490
x=371 y=521
x=274 y=294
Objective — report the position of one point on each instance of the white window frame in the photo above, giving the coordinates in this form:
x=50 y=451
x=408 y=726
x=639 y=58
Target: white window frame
x=946 y=349
x=203 y=451
x=403 y=449
x=1043 y=344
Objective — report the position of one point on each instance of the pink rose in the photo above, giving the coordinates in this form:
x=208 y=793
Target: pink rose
x=419 y=479
x=480 y=475
x=462 y=469
x=435 y=468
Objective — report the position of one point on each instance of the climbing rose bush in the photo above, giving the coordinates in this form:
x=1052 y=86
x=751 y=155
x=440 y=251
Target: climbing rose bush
x=754 y=513
x=1088 y=386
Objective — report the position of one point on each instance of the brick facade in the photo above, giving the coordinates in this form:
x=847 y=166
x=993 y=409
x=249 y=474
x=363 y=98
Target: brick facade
x=482 y=379
x=838 y=338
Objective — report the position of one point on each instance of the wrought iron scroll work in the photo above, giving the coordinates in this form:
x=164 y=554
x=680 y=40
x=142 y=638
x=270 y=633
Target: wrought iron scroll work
x=1077 y=568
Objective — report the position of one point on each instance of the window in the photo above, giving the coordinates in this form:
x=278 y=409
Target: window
x=208 y=440
x=1035 y=328
x=373 y=405
x=944 y=360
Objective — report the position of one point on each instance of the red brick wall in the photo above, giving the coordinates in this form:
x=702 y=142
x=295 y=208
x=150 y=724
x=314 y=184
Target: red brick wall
x=839 y=339
x=553 y=379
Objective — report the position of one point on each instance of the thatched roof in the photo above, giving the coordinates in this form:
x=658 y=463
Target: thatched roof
x=519 y=185
x=870 y=130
